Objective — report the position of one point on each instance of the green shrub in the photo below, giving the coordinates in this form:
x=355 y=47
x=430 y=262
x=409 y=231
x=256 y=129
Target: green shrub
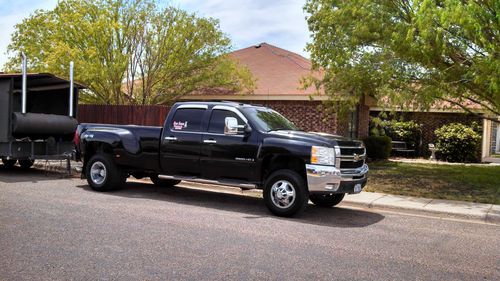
x=378 y=147
x=457 y=143
x=407 y=131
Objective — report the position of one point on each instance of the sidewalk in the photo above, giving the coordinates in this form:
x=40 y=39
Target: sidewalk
x=488 y=213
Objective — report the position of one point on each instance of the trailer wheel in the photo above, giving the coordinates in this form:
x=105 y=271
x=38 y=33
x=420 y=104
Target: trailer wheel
x=285 y=193
x=163 y=182
x=103 y=174
x=9 y=164
x=26 y=163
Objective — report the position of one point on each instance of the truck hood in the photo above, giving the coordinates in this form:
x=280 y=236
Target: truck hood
x=316 y=138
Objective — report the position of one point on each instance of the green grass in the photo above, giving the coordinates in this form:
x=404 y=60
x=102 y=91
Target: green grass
x=453 y=182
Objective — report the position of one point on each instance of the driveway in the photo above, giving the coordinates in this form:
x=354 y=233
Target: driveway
x=54 y=228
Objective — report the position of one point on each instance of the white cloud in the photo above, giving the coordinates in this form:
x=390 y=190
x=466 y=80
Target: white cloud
x=249 y=22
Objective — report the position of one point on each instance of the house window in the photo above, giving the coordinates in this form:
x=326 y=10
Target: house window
x=497 y=144
x=352 y=130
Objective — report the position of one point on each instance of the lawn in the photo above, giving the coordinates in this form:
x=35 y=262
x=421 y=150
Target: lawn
x=454 y=182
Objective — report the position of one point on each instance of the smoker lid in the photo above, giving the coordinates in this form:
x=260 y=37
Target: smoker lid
x=40 y=81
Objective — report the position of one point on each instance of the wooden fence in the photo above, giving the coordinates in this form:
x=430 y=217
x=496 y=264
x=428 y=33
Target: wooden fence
x=147 y=115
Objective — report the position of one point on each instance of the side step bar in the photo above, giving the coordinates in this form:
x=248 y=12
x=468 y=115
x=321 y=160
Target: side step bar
x=235 y=183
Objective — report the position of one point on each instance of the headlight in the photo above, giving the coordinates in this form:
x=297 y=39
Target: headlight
x=322 y=155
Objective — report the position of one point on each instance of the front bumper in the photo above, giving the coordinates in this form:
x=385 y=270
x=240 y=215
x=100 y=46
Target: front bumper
x=328 y=179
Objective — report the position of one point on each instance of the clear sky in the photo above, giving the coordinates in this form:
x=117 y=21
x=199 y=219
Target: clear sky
x=247 y=22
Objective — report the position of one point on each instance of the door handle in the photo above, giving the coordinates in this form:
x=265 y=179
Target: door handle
x=209 y=141
x=171 y=138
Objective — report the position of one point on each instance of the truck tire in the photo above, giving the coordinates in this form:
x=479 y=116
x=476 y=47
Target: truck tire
x=9 y=164
x=328 y=200
x=26 y=163
x=103 y=174
x=163 y=182
x=285 y=193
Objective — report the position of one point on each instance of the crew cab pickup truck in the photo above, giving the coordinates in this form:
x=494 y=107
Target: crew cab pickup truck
x=227 y=143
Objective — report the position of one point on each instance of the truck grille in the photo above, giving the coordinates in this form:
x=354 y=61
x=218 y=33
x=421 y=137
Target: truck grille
x=351 y=164
x=352 y=157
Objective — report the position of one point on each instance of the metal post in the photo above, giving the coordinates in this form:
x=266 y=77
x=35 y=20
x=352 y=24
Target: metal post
x=71 y=94
x=25 y=78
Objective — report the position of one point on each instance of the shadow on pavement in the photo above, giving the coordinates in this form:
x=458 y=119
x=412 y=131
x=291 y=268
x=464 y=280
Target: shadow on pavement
x=17 y=174
x=252 y=207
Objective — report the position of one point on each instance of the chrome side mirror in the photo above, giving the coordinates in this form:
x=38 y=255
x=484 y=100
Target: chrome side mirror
x=231 y=126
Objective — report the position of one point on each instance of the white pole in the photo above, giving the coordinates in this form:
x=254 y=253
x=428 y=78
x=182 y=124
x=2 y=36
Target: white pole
x=25 y=76
x=71 y=94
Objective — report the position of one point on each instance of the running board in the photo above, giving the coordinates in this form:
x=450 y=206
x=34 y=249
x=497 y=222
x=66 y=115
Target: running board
x=239 y=184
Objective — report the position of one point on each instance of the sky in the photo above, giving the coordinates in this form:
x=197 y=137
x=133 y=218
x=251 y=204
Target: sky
x=247 y=22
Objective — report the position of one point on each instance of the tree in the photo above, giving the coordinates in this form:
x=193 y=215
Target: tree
x=407 y=53
x=129 y=51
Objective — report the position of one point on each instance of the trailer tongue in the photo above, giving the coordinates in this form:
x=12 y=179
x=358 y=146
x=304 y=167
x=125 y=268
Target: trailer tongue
x=37 y=117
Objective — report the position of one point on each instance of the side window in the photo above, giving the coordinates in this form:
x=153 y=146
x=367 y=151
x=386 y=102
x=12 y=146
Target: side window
x=187 y=119
x=218 y=118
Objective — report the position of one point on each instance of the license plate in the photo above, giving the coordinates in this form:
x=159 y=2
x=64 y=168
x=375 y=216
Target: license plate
x=357 y=188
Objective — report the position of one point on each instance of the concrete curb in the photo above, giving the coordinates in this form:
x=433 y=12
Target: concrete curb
x=487 y=213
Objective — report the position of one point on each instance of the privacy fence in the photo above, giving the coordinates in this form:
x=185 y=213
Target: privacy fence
x=147 y=115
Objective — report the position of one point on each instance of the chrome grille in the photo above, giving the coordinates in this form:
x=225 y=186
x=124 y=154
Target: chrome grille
x=351 y=157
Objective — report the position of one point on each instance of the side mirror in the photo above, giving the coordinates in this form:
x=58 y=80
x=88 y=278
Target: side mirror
x=231 y=126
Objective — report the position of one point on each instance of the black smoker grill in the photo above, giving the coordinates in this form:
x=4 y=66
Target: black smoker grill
x=37 y=117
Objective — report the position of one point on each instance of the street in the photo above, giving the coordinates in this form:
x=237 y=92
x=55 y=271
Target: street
x=54 y=228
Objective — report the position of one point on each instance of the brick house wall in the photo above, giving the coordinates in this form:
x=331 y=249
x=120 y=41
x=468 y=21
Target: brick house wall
x=307 y=115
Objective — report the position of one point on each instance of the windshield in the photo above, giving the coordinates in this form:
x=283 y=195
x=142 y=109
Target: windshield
x=269 y=120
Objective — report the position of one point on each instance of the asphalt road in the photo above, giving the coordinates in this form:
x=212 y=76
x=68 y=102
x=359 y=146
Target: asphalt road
x=59 y=229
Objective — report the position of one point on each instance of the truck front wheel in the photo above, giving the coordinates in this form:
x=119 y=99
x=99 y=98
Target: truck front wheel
x=328 y=200
x=103 y=174
x=163 y=182
x=285 y=193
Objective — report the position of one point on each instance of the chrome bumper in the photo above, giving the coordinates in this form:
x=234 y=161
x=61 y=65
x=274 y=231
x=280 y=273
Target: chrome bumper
x=329 y=179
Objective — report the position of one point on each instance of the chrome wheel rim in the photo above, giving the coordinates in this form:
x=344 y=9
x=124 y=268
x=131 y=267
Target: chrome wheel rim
x=98 y=172
x=283 y=194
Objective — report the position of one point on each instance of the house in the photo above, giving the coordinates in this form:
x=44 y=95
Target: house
x=278 y=75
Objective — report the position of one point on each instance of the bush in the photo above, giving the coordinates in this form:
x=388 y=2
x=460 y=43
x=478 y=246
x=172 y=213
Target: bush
x=457 y=143
x=407 y=131
x=378 y=147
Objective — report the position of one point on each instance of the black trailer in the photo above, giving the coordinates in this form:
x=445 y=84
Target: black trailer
x=37 y=117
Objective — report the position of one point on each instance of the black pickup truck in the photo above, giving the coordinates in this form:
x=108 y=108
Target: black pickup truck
x=227 y=143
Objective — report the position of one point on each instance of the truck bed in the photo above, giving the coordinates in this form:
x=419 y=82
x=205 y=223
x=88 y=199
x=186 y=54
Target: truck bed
x=136 y=146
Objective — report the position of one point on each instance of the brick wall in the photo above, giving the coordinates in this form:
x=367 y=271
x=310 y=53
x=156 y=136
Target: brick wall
x=307 y=115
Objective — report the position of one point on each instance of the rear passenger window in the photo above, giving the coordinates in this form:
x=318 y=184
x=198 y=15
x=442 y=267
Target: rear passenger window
x=187 y=119
x=217 y=120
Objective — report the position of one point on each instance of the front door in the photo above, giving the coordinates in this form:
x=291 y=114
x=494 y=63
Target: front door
x=181 y=142
x=230 y=157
